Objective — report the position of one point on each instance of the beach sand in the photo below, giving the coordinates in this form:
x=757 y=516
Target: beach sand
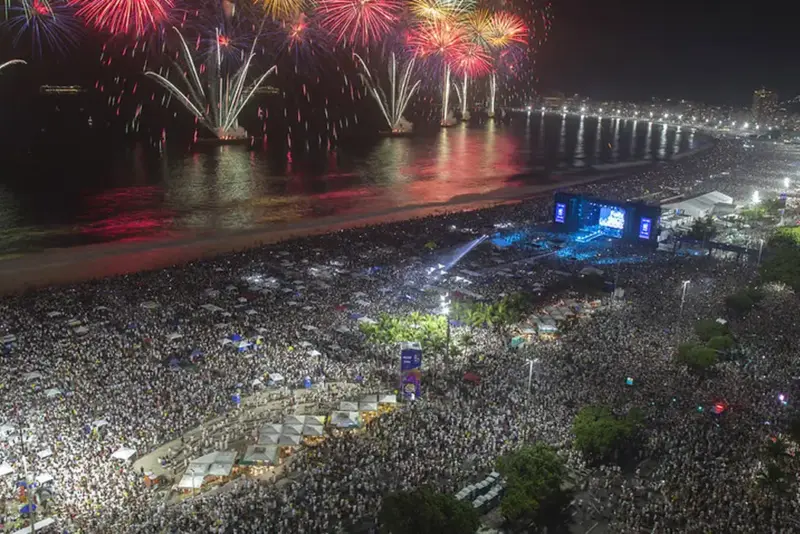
x=75 y=264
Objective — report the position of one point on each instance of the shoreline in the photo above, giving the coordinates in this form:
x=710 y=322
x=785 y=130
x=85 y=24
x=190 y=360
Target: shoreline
x=62 y=266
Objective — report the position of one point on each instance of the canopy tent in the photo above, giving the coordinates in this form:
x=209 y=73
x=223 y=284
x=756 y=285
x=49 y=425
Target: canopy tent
x=223 y=464
x=174 y=336
x=268 y=439
x=275 y=378
x=34 y=375
x=44 y=478
x=189 y=481
x=367 y=406
x=387 y=399
x=294 y=420
x=52 y=392
x=260 y=454
x=699 y=206
x=45 y=453
x=10 y=338
x=149 y=305
x=345 y=419
x=289 y=441
x=270 y=428
x=292 y=430
x=346 y=406
x=316 y=420
x=123 y=453
x=81 y=331
x=313 y=430
x=369 y=398
x=37 y=527
x=99 y=423
x=5 y=469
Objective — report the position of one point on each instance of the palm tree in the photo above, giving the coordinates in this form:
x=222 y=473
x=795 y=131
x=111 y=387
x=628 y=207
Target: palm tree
x=776 y=449
x=773 y=478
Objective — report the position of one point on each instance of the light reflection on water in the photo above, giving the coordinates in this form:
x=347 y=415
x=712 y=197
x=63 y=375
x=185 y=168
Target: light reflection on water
x=135 y=195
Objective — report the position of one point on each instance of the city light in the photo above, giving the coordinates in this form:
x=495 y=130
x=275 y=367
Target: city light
x=746 y=125
x=651 y=114
x=756 y=197
x=600 y=110
x=583 y=109
x=786 y=182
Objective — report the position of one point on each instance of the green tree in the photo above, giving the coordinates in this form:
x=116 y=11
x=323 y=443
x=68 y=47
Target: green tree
x=773 y=478
x=776 y=450
x=698 y=358
x=783 y=266
x=702 y=229
x=720 y=343
x=425 y=511
x=534 y=484
x=708 y=328
x=739 y=303
x=599 y=433
x=794 y=428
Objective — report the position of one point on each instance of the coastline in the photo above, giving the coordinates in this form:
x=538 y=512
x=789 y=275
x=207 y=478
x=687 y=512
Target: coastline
x=77 y=264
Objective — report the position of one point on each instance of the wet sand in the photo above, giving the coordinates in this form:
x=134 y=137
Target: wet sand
x=75 y=264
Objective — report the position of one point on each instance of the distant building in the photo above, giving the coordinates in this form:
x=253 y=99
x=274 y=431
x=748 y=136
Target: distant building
x=765 y=104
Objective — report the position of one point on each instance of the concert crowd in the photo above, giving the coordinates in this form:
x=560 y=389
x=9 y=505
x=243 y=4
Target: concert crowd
x=138 y=360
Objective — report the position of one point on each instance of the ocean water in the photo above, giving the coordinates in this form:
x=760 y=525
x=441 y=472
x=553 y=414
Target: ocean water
x=105 y=194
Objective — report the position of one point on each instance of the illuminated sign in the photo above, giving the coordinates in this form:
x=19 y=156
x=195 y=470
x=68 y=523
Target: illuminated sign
x=645 y=226
x=612 y=217
x=561 y=212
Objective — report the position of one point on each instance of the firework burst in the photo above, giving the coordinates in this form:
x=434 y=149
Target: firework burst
x=281 y=9
x=218 y=102
x=359 y=22
x=506 y=29
x=479 y=27
x=472 y=60
x=440 y=10
x=400 y=92
x=130 y=17
x=300 y=39
x=51 y=26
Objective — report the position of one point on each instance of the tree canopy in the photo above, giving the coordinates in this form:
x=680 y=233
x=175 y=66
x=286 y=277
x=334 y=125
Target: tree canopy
x=708 y=328
x=697 y=357
x=599 y=433
x=783 y=263
x=741 y=302
x=702 y=229
x=429 y=330
x=534 y=477
x=425 y=511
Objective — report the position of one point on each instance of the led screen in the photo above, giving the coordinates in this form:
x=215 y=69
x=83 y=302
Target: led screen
x=561 y=212
x=645 y=226
x=612 y=218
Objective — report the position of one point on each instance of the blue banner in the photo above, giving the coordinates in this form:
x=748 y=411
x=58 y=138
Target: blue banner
x=410 y=370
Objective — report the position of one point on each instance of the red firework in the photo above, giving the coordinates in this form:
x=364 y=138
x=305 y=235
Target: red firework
x=472 y=60
x=445 y=39
x=359 y=22
x=507 y=29
x=132 y=17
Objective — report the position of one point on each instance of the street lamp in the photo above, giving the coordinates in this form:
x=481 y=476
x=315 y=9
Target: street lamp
x=683 y=294
x=445 y=302
x=760 y=250
x=530 y=372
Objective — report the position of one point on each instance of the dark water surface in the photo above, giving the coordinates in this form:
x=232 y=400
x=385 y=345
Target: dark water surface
x=112 y=194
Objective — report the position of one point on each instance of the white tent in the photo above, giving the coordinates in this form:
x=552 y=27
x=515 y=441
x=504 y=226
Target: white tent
x=44 y=478
x=291 y=441
x=344 y=419
x=81 y=330
x=367 y=320
x=294 y=419
x=53 y=314
x=268 y=439
x=261 y=454
x=292 y=430
x=699 y=206
x=45 y=453
x=5 y=469
x=276 y=378
x=189 y=481
x=174 y=336
x=313 y=430
x=345 y=406
x=367 y=406
x=37 y=527
x=35 y=375
x=52 y=392
x=99 y=423
x=10 y=338
x=315 y=420
x=223 y=464
x=123 y=453
x=149 y=305
x=388 y=399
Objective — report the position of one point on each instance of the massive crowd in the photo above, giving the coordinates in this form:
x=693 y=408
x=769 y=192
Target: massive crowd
x=138 y=360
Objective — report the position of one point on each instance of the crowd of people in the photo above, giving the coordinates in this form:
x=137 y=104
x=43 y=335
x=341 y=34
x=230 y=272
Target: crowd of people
x=138 y=360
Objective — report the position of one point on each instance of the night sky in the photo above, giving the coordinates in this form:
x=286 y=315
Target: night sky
x=713 y=51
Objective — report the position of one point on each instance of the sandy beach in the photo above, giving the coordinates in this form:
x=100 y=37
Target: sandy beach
x=75 y=264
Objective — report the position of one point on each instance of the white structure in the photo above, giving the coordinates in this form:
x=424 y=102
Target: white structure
x=700 y=206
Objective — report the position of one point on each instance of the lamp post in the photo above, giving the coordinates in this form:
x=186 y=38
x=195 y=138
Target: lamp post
x=446 y=313
x=530 y=373
x=683 y=294
x=760 y=250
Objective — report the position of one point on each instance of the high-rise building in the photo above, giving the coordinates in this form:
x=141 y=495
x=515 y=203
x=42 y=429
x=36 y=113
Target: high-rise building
x=765 y=104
